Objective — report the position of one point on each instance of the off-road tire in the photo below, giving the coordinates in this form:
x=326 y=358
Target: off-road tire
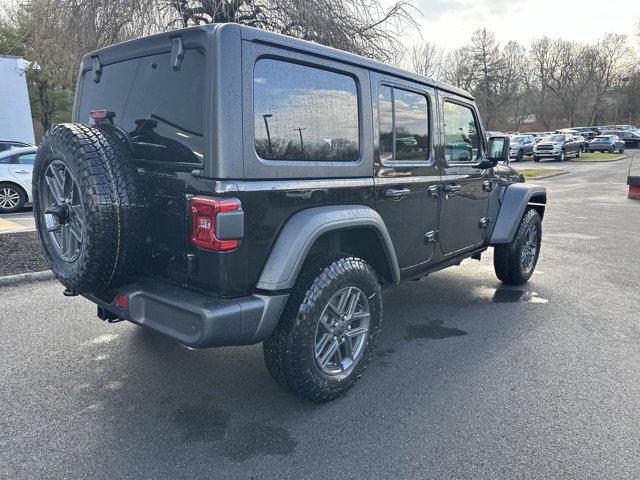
x=289 y=352
x=111 y=203
x=506 y=257
x=15 y=190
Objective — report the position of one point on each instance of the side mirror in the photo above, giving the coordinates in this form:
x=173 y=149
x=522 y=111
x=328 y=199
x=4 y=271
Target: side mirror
x=498 y=152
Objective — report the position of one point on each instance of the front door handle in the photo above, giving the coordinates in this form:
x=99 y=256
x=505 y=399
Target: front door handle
x=451 y=188
x=396 y=192
x=21 y=171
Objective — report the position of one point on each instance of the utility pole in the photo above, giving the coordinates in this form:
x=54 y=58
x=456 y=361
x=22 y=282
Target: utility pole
x=301 y=141
x=266 y=126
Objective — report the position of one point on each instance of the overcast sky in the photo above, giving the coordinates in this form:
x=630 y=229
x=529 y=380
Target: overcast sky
x=450 y=23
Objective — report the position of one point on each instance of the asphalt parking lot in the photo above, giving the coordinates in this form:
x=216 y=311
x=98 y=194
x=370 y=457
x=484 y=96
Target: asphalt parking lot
x=471 y=379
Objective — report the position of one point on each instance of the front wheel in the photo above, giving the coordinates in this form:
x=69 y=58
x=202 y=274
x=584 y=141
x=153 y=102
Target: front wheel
x=536 y=158
x=579 y=153
x=326 y=336
x=515 y=262
x=561 y=157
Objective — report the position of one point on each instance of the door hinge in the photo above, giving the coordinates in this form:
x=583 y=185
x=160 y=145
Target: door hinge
x=431 y=237
x=484 y=222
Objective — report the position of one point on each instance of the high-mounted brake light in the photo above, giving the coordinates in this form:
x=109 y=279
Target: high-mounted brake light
x=203 y=213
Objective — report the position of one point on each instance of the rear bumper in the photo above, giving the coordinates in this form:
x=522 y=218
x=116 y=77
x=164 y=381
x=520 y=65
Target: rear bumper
x=195 y=319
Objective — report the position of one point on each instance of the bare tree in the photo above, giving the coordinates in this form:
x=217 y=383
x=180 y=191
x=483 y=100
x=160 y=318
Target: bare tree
x=364 y=27
x=605 y=63
x=426 y=59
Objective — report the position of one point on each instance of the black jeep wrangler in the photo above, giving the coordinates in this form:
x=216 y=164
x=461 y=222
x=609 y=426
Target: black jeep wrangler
x=223 y=185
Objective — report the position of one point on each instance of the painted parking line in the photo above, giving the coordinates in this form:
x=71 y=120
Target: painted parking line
x=6 y=225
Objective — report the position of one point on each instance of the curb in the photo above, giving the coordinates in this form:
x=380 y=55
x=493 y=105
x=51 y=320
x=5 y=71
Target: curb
x=26 y=277
x=550 y=175
x=575 y=160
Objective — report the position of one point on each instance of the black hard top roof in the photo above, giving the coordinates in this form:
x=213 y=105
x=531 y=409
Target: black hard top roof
x=284 y=41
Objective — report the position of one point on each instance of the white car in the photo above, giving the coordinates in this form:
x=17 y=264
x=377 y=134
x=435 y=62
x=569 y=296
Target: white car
x=16 y=168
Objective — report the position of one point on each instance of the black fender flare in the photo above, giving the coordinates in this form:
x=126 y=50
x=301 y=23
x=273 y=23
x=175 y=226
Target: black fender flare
x=514 y=201
x=301 y=231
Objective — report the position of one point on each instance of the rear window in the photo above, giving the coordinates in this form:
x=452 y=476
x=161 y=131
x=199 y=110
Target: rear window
x=304 y=113
x=162 y=110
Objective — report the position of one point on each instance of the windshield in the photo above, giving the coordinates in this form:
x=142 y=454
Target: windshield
x=554 y=138
x=603 y=138
x=517 y=139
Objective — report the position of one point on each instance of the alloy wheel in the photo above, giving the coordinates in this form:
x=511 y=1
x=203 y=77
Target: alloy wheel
x=63 y=214
x=342 y=331
x=9 y=198
x=529 y=249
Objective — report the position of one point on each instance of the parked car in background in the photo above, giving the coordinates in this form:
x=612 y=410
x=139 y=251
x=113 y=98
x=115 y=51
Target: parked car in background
x=630 y=138
x=626 y=128
x=521 y=145
x=16 y=168
x=12 y=144
x=587 y=132
x=606 y=143
x=581 y=141
x=557 y=146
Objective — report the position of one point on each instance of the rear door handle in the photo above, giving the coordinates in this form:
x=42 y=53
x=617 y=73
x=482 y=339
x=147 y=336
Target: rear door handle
x=396 y=192
x=21 y=171
x=451 y=188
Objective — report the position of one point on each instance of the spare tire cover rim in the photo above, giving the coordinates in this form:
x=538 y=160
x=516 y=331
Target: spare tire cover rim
x=61 y=205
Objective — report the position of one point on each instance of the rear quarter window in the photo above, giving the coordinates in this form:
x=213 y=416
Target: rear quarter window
x=304 y=113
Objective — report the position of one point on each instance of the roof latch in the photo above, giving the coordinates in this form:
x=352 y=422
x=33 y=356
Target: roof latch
x=97 y=69
x=177 y=53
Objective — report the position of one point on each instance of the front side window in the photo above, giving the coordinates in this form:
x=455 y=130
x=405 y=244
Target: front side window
x=403 y=125
x=304 y=113
x=461 y=134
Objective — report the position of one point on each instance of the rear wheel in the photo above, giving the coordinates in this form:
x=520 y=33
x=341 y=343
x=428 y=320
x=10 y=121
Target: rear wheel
x=515 y=262
x=12 y=198
x=327 y=333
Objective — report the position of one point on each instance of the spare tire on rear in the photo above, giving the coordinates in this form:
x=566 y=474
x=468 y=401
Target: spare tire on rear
x=88 y=207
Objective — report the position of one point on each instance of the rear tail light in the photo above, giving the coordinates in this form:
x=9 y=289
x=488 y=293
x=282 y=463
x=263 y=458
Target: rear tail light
x=203 y=213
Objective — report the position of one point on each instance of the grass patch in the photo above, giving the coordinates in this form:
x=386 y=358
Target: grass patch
x=597 y=157
x=531 y=173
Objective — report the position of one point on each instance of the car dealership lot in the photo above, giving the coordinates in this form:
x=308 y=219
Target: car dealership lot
x=474 y=380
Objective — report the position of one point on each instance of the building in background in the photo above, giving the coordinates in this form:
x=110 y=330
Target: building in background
x=15 y=111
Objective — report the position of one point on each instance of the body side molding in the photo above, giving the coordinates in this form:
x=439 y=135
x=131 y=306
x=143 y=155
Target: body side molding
x=304 y=228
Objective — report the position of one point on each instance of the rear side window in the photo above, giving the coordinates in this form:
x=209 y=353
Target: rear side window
x=304 y=113
x=161 y=109
x=27 y=159
x=403 y=125
x=461 y=134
